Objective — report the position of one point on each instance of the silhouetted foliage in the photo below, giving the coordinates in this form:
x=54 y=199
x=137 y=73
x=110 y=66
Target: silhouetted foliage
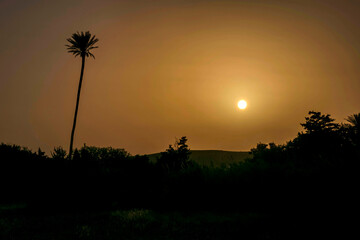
x=176 y=157
x=58 y=154
x=353 y=129
x=315 y=172
x=15 y=152
x=40 y=153
x=319 y=123
x=81 y=44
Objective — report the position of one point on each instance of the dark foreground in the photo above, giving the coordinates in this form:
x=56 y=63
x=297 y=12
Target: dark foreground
x=20 y=222
x=304 y=189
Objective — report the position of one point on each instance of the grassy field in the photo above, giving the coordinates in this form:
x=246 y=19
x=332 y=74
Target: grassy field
x=136 y=224
x=214 y=158
x=22 y=223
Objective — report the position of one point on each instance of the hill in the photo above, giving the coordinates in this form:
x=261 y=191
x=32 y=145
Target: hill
x=212 y=157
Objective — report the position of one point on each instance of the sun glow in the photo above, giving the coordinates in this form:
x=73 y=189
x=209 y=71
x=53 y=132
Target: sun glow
x=242 y=104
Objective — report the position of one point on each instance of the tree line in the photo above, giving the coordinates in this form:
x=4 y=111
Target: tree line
x=315 y=170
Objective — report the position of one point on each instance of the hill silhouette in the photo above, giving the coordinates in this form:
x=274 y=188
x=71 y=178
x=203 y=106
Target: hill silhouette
x=215 y=158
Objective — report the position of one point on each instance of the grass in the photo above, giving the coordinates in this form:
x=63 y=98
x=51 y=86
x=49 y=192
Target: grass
x=133 y=224
x=4 y=207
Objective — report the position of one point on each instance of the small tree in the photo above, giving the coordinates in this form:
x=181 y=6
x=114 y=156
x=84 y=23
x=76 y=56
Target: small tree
x=321 y=144
x=175 y=157
x=319 y=123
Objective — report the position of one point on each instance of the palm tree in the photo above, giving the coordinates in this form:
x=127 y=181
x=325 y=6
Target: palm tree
x=354 y=120
x=354 y=127
x=80 y=45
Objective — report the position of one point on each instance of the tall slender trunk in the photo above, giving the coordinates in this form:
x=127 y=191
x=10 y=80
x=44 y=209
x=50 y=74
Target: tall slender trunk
x=77 y=106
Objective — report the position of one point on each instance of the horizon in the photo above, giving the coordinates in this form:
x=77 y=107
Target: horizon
x=168 y=69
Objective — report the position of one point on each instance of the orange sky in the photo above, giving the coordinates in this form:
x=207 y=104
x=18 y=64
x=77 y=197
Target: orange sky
x=167 y=69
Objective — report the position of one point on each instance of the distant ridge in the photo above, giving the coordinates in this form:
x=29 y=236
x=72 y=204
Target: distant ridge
x=212 y=157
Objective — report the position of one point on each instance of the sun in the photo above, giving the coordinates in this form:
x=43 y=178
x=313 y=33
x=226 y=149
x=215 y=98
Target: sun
x=242 y=104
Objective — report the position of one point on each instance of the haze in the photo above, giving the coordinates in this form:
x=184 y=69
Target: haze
x=167 y=69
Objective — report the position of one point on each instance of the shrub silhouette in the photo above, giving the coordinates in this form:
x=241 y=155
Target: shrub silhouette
x=103 y=155
x=58 y=154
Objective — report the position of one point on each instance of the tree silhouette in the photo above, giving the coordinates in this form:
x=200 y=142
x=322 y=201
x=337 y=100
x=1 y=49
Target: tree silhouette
x=354 y=128
x=319 y=123
x=354 y=120
x=80 y=45
x=176 y=157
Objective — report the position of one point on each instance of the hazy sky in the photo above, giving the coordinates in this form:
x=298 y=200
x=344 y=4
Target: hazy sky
x=167 y=69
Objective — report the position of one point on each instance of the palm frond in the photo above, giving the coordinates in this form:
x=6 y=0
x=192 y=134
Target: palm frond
x=354 y=119
x=81 y=44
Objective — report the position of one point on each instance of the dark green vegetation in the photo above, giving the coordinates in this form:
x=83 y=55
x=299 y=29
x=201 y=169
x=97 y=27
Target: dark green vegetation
x=81 y=44
x=292 y=191
x=212 y=158
x=139 y=224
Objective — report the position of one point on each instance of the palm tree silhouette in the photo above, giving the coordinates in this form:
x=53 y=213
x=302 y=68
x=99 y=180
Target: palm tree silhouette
x=354 y=127
x=354 y=120
x=80 y=45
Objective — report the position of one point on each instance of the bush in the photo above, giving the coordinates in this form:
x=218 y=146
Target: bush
x=58 y=154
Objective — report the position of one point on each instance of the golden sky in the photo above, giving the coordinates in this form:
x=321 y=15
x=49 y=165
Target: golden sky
x=167 y=69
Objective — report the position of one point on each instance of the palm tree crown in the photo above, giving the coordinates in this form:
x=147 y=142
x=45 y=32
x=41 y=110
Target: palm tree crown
x=81 y=44
x=354 y=120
